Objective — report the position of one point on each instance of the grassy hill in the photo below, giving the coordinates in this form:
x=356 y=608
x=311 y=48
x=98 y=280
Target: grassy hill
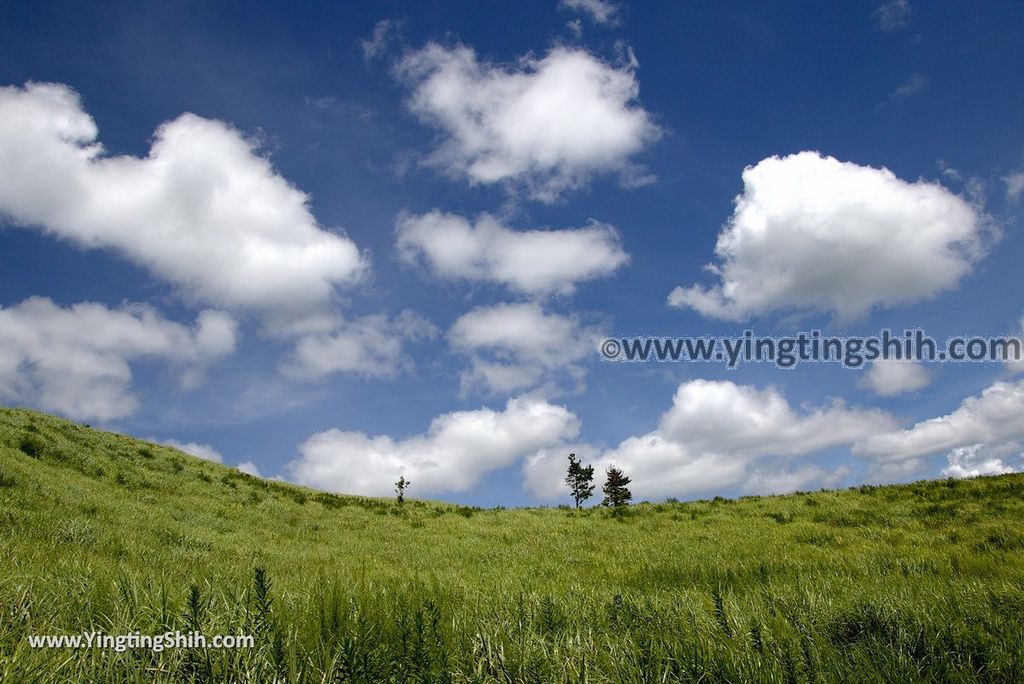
x=99 y=531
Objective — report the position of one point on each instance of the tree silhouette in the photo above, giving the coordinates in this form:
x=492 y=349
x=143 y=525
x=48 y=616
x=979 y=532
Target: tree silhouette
x=615 y=491
x=400 y=488
x=580 y=479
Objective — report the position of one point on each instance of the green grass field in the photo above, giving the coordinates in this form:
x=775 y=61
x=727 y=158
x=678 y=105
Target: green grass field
x=103 y=532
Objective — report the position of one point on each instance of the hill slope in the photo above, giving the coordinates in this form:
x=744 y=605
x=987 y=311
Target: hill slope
x=103 y=532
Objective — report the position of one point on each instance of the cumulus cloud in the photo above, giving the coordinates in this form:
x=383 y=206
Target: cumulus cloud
x=599 y=11
x=202 y=210
x=812 y=233
x=209 y=453
x=533 y=262
x=992 y=418
x=249 y=468
x=545 y=124
x=76 y=360
x=515 y=346
x=203 y=451
x=890 y=377
x=452 y=456
x=978 y=459
x=892 y=15
x=371 y=346
x=784 y=479
x=717 y=435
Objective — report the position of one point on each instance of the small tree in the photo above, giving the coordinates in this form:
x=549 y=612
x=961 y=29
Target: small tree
x=580 y=479
x=400 y=488
x=615 y=491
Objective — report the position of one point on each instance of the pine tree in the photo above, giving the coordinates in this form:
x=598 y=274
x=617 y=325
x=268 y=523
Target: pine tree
x=580 y=479
x=615 y=491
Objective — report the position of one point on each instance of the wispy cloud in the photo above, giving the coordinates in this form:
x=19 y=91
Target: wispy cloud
x=1014 y=186
x=913 y=86
x=892 y=16
x=601 y=12
x=384 y=34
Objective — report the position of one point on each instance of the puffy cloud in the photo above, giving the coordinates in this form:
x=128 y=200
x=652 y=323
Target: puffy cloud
x=76 y=360
x=812 y=233
x=742 y=420
x=249 y=468
x=977 y=460
x=601 y=12
x=370 y=346
x=202 y=210
x=1014 y=186
x=499 y=377
x=544 y=469
x=716 y=435
x=203 y=451
x=534 y=262
x=516 y=345
x=548 y=124
x=209 y=453
x=993 y=417
x=889 y=377
x=452 y=456
x=783 y=480
x=892 y=15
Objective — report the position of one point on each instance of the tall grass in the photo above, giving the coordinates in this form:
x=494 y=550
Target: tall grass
x=102 y=532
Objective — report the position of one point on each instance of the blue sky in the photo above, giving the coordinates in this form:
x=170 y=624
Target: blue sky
x=344 y=242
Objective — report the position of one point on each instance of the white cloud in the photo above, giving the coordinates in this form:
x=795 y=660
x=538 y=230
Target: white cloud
x=783 y=480
x=203 y=451
x=370 y=346
x=813 y=233
x=892 y=15
x=547 y=124
x=249 y=468
x=76 y=360
x=723 y=417
x=452 y=456
x=1014 y=186
x=202 y=210
x=544 y=470
x=209 y=453
x=534 y=262
x=1016 y=365
x=499 y=377
x=715 y=436
x=991 y=418
x=515 y=346
x=890 y=377
x=977 y=460
x=601 y=12
x=883 y=472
